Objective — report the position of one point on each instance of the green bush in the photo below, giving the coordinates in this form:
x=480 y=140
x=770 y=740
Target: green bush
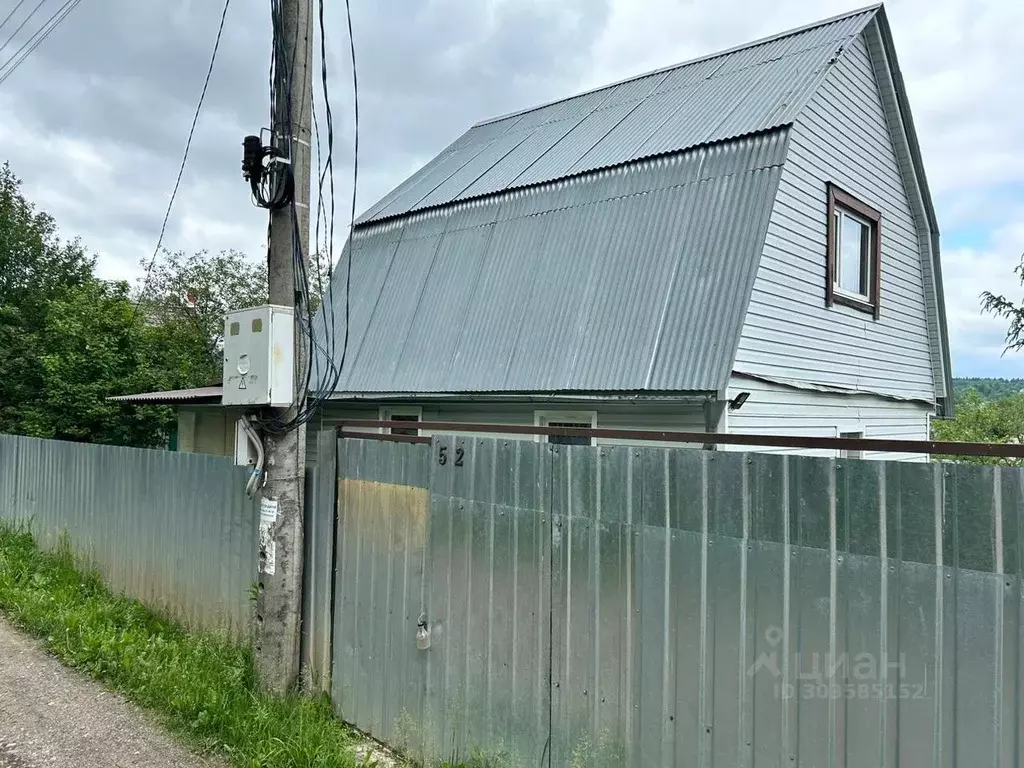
x=983 y=421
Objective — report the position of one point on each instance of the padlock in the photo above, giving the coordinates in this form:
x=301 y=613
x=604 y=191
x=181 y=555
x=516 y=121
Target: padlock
x=422 y=633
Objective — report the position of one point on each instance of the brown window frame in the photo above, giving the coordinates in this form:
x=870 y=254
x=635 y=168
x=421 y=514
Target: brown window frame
x=844 y=201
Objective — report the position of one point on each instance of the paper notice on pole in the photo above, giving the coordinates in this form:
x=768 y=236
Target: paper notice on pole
x=268 y=511
x=268 y=548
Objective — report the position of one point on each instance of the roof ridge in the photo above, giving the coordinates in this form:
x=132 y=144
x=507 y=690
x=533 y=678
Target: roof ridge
x=707 y=57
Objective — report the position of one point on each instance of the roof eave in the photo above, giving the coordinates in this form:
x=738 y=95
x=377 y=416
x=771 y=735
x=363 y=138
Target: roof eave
x=619 y=397
x=197 y=396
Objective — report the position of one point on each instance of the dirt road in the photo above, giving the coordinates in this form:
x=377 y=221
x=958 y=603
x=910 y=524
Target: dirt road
x=51 y=716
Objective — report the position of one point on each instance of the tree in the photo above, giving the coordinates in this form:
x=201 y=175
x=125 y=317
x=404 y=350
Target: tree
x=981 y=421
x=1000 y=306
x=36 y=268
x=989 y=389
x=89 y=347
x=188 y=296
x=69 y=341
x=34 y=264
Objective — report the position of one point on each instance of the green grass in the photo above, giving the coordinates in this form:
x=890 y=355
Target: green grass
x=202 y=688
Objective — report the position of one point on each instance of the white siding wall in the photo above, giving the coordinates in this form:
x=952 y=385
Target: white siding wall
x=771 y=409
x=842 y=137
x=778 y=409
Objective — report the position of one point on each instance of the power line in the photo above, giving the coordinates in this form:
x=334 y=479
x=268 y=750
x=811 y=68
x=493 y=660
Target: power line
x=355 y=181
x=188 y=146
x=21 y=26
x=36 y=39
x=14 y=10
x=307 y=408
x=327 y=307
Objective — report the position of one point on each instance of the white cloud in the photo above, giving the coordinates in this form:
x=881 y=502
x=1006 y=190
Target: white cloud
x=978 y=339
x=968 y=273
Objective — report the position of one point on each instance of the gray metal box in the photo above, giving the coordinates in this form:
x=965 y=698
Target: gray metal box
x=259 y=356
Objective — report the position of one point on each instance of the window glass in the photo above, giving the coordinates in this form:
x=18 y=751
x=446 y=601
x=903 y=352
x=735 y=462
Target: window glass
x=854 y=241
x=847 y=454
x=411 y=417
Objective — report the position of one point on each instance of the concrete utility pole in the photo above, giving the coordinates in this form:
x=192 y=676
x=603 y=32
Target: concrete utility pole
x=279 y=602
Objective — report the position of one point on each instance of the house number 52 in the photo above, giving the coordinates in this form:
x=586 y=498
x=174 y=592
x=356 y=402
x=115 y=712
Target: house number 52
x=442 y=455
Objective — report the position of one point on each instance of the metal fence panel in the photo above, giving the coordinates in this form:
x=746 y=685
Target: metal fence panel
x=785 y=610
x=674 y=607
x=174 y=530
x=488 y=601
x=319 y=563
x=378 y=675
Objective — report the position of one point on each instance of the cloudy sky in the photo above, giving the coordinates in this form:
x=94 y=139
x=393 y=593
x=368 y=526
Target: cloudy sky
x=95 y=119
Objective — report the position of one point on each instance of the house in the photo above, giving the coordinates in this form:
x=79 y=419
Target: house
x=740 y=243
x=203 y=425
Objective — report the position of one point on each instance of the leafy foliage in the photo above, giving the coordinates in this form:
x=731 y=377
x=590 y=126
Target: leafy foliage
x=34 y=264
x=69 y=340
x=86 y=348
x=203 y=688
x=981 y=421
x=192 y=293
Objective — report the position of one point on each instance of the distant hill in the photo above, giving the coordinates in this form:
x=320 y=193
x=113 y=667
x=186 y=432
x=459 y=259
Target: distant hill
x=990 y=389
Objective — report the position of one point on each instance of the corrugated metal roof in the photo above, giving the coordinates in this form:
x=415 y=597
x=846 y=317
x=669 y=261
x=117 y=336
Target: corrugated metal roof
x=631 y=278
x=747 y=90
x=173 y=396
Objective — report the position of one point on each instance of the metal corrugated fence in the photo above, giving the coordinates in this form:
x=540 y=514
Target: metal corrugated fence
x=378 y=674
x=624 y=606
x=174 y=530
x=318 y=563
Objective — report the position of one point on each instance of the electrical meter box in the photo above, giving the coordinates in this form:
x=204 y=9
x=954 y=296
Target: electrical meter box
x=259 y=356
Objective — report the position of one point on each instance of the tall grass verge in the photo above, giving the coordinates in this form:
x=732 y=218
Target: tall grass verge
x=202 y=688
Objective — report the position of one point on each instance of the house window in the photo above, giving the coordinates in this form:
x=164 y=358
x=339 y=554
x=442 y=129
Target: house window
x=848 y=454
x=854 y=252
x=412 y=415
x=569 y=419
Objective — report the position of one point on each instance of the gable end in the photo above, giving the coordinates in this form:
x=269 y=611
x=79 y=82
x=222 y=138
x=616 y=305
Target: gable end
x=845 y=137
